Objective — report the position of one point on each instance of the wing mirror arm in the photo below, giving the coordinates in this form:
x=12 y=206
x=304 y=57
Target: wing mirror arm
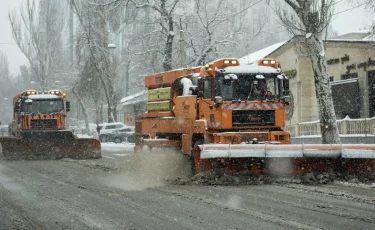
x=218 y=101
x=67 y=106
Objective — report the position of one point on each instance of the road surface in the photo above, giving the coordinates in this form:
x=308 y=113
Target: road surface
x=105 y=194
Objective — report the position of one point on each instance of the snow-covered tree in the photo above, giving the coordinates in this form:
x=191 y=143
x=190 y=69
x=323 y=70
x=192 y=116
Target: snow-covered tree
x=97 y=61
x=37 y=30
x=310 y=18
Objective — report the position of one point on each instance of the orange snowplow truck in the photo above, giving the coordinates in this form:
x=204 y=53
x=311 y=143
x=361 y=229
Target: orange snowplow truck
x=38 y=129
x=231 y=116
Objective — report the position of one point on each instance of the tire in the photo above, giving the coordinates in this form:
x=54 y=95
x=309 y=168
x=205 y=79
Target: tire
x=117 y=140
x=103 y=138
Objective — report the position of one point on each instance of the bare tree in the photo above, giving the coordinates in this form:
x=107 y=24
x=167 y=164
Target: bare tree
x=94 y=21
x=166 y=10
x=4 y=71
x=370 y=6
x=144 y=32
x=216 y=29
x=39 y=36
x=6 y=90
x=310 y=18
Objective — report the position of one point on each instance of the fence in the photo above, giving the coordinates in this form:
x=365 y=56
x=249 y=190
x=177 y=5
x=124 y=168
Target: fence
x=3 y=130
x=345 y=126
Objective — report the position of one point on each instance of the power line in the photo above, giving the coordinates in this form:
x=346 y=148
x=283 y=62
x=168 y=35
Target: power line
x=234 y=15
x=337 y=2
x=350 y=9
x=247 y=8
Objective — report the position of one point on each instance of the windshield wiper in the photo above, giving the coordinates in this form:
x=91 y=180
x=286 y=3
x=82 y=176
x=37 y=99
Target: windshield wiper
x=251 y=90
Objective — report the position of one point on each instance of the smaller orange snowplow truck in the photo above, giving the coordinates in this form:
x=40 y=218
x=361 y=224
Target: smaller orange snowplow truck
x=38 y=129
x=231 y=116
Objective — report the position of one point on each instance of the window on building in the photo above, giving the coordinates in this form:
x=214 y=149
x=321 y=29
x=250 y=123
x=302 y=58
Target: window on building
x=371 y=92
x=349 y=76
x=331 y=78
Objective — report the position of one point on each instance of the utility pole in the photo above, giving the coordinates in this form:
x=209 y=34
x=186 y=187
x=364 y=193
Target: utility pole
x=182 y=47
x=71 y=29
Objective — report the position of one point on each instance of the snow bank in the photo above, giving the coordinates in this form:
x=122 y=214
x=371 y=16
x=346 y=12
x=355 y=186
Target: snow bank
x=113 y=147
x=253 y=57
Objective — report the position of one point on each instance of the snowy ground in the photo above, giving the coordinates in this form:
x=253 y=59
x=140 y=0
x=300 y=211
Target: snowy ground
x=123 y=190
x=113 y=147
x=77 y=194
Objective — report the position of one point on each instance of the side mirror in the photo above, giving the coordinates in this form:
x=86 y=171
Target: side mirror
x=287 y=97
x=67 y=106
x=286 y=93
x=16 y=106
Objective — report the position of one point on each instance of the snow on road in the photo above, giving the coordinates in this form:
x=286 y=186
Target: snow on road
x=121 y=147
x=113 y=147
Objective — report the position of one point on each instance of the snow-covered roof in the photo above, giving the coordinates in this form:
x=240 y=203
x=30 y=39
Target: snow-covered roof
x=360 y=35
x=43 y=96
x=134 y=98
x=253 y=57
x=250 y=69
x=131 y=97
x=338 y=82
x=355 y=36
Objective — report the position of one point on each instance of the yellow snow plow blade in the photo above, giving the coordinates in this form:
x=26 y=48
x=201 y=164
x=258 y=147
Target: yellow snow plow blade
x=288 y=158
x=14 y=148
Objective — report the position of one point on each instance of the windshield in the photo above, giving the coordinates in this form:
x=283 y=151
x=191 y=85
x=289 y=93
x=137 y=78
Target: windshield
x=248 y=87
x=43 y=106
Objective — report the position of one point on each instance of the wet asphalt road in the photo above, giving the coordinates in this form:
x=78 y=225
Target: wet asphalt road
x=103 y=194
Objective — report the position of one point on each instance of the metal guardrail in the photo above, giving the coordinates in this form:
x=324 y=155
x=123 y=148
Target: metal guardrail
x=2 y=134
x=346 y=126
x=3 y=130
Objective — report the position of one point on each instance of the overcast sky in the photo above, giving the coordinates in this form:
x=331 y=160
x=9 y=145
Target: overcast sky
x=345 y=22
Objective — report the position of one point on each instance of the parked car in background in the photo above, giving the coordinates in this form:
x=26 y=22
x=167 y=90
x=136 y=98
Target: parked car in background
x=118 y=136
x=114 y=133
x=109 y=127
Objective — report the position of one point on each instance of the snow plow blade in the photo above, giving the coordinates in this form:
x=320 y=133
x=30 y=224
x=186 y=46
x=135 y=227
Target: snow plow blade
x=14 y=148
x=289 y=159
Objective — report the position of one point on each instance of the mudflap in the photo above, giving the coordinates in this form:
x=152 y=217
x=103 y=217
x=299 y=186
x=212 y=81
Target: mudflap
x=14 y=148
x=285 y=159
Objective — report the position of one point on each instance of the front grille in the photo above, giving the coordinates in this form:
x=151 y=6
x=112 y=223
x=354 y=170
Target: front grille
x=242 y=118
x=43 y=124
